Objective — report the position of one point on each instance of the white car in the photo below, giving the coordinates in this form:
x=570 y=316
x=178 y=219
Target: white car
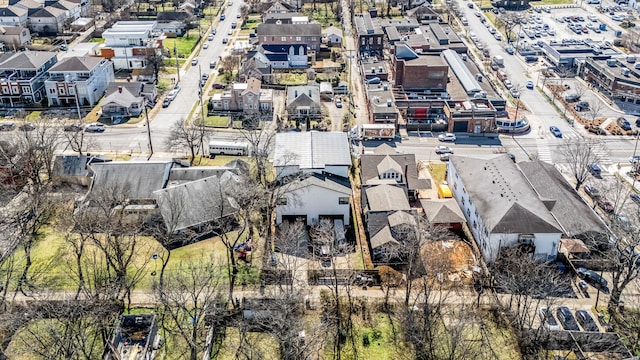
x=447 y=137
x=205 y=46
x=443 y=150
x=94 y=127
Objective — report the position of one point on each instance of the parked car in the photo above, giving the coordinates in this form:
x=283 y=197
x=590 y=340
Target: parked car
x=573 y=97
x=205 y=46
x=7 y=126
x=594 y=279
x=595 y=170
x=623 y=223
x=515 y=93
x=635 y=198
x=604 y=204
x=507 y=84
x=338 y=103
x=447 y=137
x=444 y=157
x=210 y=37
x=27 y=127
x=547 y=319
x=555 y=131
x=73 y=127
x=205 y=76
x=94 y=127
x=566 y=319
x=225 y=40
x=623 y=123
x=582 y=106
x=212 y=65
x=441 y=149
x=529 y=84
x=592 y=191
x=166 y=102
x=194 y=62
x=638 y=122
x=217 y=86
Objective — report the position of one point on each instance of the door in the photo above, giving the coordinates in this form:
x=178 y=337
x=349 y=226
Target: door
x=460 y=126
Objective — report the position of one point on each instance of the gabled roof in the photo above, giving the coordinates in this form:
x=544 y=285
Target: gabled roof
x=504 y=198
x=180 y=175
x=253 y=86
x=289 y=30
x=172 y=15
x=332 y=30
x=388 y=163
x=382 y=237
x=11 y=30
x=279 y=6
x=29 y=4
x=64 y=5
x=76 y=63
x=124 y=98
x=333 y=183
x=134 y=87
x=401 y=218
x=269 y=49
x=48 y=11
x=12 y=11
x=312 y=150
x=369 y=169
x=138 y=180
x=573 y=214
x=442 y=211
x=386 y=198
x=27 y=60
x=74 y=165
x=198 y=202
x=299 y=95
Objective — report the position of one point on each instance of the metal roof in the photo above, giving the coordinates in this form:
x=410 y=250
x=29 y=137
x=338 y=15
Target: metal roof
x=461 y=71
x=312 y=150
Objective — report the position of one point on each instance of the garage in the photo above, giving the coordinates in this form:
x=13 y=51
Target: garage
x=460 y=126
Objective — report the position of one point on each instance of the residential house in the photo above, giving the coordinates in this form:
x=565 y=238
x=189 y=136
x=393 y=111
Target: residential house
x=386 y=212
x=285 y=56
x=246 y=97
x=14 y=37
x=423 y=13
x=279 y=7
x=369 y=34
x=195 y=205
x=181 y=175
x=312 y=152
x=333 y=36
x=382 y=107
x=256 y=65
x=290 y=34
x=169 y=16
x=14 y=16
x=175 y=28
x=30 y=5
x=501 y=208
x=576 y=218
x=81 y=80
x=127 y=99
x=73 y=169
x=129 y=44
x=314 y=197
x=48 y=21
x=73 y=9
x=290 y=17
x=314 y=168
x=22 y=77
x=443 y=212
x=135 y=334
x=395 y=169
x=303 y=102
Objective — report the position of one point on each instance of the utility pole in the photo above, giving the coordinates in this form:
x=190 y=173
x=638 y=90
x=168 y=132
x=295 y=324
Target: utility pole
x=202 y=108
x=175 y=53
x=146 y=115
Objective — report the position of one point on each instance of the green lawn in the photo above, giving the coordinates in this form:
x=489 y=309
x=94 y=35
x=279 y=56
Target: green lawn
x=97 y=40
x=551 y=2
x=438 y=172
x=290 y=78
x=379 y=343
x=216 y=121
x=185 y=44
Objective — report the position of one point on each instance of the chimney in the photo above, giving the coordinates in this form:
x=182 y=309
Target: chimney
x=119 y=89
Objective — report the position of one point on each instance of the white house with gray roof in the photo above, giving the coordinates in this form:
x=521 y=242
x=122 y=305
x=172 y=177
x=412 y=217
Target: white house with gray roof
x=320 y=161
x=78 y=79
x=501 y=207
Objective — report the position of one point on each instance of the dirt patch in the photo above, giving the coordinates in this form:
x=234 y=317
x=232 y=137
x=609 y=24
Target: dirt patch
x=454 y=258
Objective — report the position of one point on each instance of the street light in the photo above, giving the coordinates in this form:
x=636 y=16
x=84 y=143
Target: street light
x=635 y=164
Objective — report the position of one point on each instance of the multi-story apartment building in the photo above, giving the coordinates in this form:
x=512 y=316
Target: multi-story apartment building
x=128 y=44
x=14 y=16
x=290 y=34
x=78 y=79
x=22 y=77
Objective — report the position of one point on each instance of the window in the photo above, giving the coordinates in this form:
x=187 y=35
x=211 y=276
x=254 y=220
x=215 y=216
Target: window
x=281 y=201
x=283 y=38
x=469 y=212
x=298 y=38
x=476 y=210
x=462 y=200
x=343 y=200
x=52 y=91
x=475 y=225
x=455 y=186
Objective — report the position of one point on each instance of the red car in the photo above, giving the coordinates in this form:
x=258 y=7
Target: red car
x=604 y=204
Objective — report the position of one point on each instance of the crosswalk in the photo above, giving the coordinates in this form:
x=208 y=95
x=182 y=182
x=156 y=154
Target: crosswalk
x=544 y=152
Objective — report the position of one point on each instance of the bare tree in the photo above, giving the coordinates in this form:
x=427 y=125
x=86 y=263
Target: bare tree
x=579 y=155
x=580 y=89
x=230 y=63
x=189 y=293
x=595 y=110
x=184 y=135
x=507 y=21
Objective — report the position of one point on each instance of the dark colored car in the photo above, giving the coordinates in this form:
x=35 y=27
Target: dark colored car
x=27 y=127
x=73 y=127
x=592 y=191
x=7 y=127
x=594 y=279
x=547 y=319
x=166 y=102
x=582 y=106
x=595 y=170
x=635 y=198
x=586 y=321
x=566 y=319
x=638 y=122
x=604 y=204
x=624 y=123
x=217 y=86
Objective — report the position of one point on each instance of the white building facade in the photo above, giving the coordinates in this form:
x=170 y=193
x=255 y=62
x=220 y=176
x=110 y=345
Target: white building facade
x=81 y=79
x=128 y=44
